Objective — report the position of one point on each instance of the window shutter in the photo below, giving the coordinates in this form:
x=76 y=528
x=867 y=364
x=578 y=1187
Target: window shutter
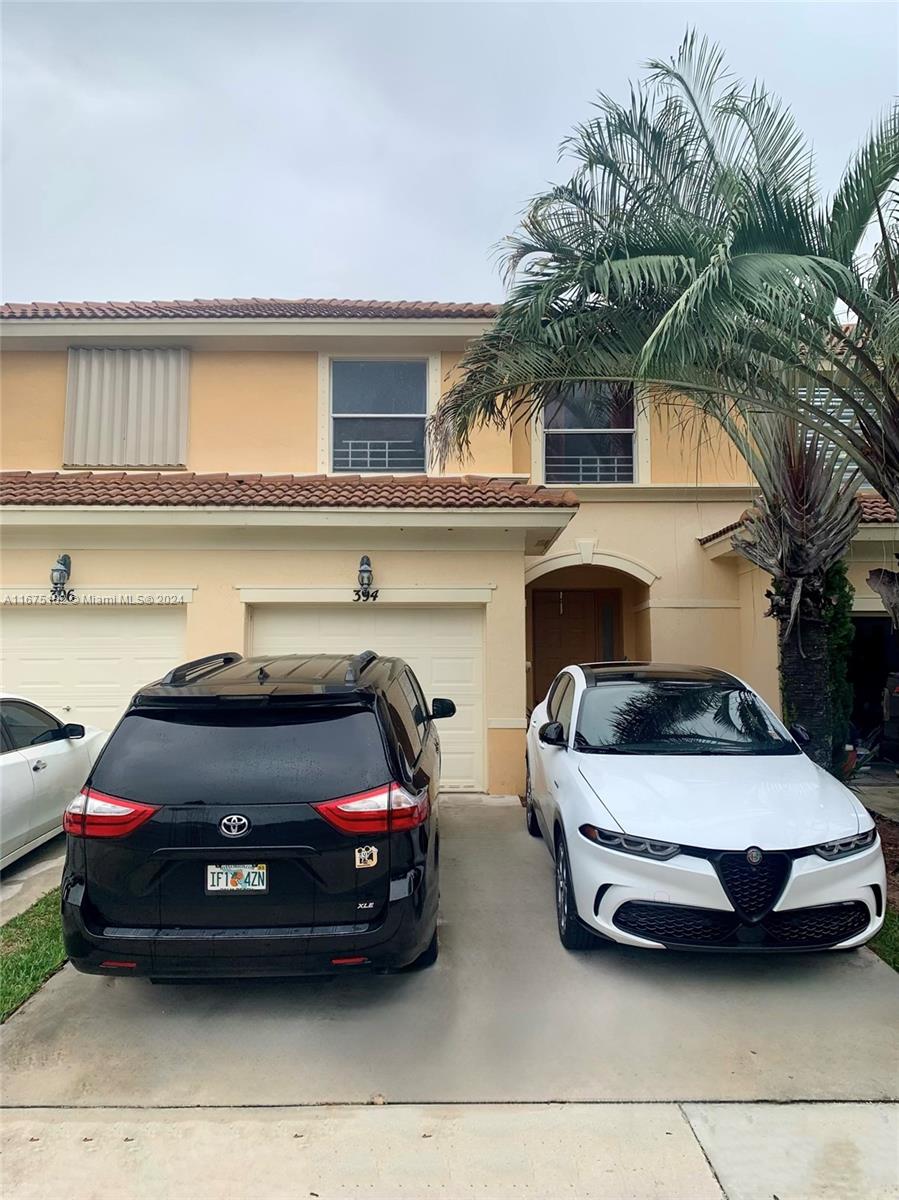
x=127 y=408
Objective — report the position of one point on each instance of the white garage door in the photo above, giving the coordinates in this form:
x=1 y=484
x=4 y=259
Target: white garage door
x=444 y=647
x=86 y=662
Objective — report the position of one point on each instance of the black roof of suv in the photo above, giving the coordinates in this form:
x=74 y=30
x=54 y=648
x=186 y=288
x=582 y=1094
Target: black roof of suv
x=334 y=678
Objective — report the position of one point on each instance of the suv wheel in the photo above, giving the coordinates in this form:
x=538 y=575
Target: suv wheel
x=572 y=933
x=530 y=817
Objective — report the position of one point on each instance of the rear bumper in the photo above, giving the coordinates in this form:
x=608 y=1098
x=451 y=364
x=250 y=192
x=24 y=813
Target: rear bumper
x=259 y=952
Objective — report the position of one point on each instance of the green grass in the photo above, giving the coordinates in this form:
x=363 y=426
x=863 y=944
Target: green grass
x=886 y=944
x=31 y=950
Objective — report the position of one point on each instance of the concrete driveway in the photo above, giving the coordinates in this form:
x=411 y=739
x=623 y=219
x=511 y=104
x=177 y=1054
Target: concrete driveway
x=506 y=1015
x=31 y=877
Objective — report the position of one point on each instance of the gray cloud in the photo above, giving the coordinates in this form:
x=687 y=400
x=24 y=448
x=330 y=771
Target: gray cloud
x=372 y=150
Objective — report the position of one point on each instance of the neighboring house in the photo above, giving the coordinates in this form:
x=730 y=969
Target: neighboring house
x=215 y=470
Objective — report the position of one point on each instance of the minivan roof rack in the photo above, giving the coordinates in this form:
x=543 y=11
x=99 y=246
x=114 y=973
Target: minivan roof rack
x=357 y=665
x=189 y=672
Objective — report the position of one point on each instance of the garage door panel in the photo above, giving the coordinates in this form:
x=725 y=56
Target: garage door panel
x=85 y=663
x=455 y=672
x=444 y=647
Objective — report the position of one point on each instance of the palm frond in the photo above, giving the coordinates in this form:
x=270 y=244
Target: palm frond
x=868 y=178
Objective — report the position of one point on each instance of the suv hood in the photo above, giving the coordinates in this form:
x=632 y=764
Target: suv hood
x=724 y=802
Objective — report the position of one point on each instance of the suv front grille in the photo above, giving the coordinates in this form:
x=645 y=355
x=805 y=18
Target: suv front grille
x=675 y=922
x=753 y=889
x=796 y=929
x=823 y=925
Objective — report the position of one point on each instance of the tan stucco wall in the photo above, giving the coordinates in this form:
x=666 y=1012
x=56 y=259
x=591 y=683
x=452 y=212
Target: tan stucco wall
x=253 y=411
x=686 y=449
x=693 y=612
x=32 y=410
x=491 y=448
x=217 y=563
x=250 y=410
x=758 y=633
x=257 y=410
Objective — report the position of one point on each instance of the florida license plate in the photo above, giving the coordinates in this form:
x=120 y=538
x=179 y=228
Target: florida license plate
x=237 y=877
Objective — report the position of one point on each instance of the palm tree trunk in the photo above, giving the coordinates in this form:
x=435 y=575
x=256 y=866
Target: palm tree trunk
x=805 y=683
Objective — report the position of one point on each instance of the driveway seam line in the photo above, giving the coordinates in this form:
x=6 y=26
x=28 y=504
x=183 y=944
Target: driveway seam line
x=301 y=1104
x=702 y=1150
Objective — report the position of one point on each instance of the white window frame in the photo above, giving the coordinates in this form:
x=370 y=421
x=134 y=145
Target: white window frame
x=325 y=415
x=642 y=461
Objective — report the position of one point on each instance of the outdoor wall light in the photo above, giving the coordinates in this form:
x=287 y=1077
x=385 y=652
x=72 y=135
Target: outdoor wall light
x=366 y=578
x=59 y=576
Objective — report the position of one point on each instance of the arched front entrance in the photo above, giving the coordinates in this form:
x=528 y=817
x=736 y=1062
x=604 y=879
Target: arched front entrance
x=583 y=613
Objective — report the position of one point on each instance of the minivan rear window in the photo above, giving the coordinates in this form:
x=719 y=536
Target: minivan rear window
x=245 y=757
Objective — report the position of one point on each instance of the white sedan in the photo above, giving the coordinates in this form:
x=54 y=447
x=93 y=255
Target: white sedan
x=43 y=765
x=681 y=813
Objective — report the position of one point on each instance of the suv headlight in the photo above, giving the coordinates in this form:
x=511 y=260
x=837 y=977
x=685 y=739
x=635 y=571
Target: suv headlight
x=844 y=846
x=645 y=847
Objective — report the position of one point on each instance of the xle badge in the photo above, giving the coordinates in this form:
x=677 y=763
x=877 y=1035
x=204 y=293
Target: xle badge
x=366 y=856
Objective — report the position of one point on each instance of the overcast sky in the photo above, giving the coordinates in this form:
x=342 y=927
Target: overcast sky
x=371 y=150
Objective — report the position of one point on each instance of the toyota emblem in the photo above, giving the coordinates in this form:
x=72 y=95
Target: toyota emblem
x=234 y=825
x=753 y=856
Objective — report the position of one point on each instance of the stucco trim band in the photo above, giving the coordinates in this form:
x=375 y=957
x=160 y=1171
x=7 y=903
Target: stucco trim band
x=686 y=604
x=344 y=595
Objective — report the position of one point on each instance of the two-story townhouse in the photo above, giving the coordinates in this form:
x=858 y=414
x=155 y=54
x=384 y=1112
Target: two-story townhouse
x=215 y=472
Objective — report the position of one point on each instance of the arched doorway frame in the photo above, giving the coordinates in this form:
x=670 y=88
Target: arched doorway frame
x=595 y=558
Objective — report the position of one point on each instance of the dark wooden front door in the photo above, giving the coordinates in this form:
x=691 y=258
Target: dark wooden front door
x=570 y=626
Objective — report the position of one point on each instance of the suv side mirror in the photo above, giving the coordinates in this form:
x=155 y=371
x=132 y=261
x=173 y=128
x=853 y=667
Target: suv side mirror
x=552 y=734
x=442 y=708
x=71 y=731
x=800 y=734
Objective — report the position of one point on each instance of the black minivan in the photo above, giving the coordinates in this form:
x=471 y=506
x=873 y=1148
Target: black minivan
x=260 y=817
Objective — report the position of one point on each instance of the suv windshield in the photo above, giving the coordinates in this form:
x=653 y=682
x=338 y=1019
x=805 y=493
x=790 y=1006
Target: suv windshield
x=242 y=756
x=669 y=717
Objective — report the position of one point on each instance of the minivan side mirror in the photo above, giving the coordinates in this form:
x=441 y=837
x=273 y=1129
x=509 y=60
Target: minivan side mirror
x=442 y=708
x=552 y=734
x=71 y=731
x=800 y=734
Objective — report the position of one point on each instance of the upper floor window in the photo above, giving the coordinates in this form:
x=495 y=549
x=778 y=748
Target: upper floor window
x=126 y=408
x=588 y=435
x=378 y=413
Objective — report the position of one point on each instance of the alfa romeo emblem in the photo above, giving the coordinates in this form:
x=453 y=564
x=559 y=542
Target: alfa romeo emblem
x=234 y=825
x=753 y=856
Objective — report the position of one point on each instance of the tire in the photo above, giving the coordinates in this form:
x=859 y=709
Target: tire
x=572 y=934
x=428 y=956
x=530 y=817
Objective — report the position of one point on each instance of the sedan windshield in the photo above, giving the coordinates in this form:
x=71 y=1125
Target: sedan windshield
x=672 y=717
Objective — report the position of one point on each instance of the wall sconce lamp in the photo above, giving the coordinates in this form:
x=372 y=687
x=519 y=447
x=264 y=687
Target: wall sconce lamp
x=366 y=578
x=59 y=577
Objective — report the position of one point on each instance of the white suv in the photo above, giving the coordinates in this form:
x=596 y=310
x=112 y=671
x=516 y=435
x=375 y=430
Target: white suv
x=681 y=813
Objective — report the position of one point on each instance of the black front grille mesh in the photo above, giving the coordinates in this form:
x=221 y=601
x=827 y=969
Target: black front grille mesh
x=753 y=889
x=798 y=928
x=675 y=923
x=821 y=926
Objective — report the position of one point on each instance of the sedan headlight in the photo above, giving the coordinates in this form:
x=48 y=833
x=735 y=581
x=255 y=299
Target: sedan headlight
x=629 y=845
x=845 y=846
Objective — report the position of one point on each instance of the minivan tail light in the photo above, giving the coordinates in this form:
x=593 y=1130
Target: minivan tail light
x=94 y=814
x=382 y=810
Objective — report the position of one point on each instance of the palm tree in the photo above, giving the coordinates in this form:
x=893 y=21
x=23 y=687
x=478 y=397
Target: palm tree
x=802 y=522
x=690 y=252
